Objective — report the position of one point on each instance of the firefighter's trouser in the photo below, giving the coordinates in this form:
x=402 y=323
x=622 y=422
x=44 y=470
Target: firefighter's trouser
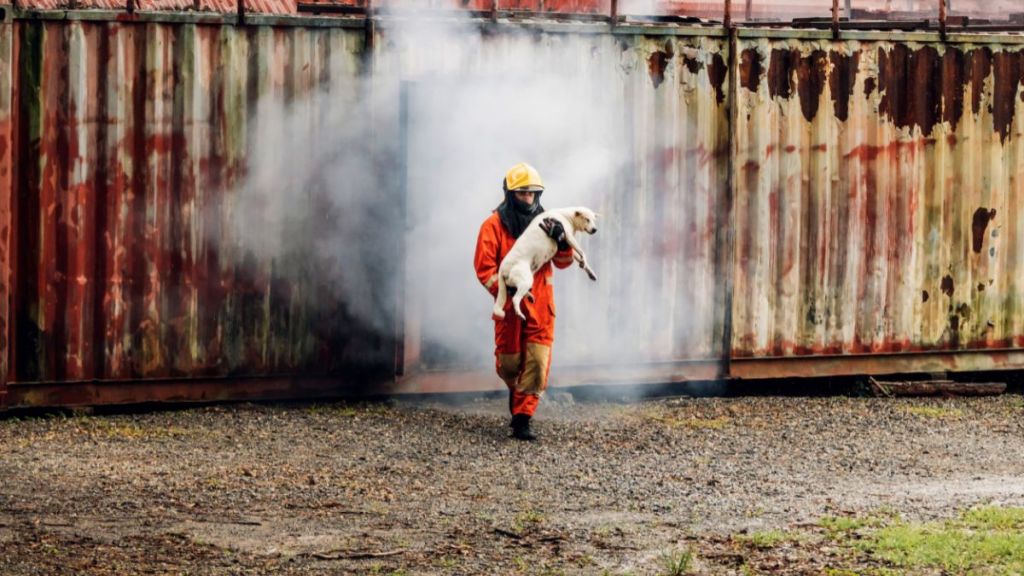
x=523 y=353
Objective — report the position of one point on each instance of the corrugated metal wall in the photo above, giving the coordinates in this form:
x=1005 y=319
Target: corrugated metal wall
x=876 y=182
x=218 y=6
x=878 y=190
x=665 y=216
x=7 y=159
x=764 y=10
x=131 y=140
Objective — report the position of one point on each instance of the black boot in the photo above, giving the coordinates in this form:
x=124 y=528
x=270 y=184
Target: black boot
x=521 y=428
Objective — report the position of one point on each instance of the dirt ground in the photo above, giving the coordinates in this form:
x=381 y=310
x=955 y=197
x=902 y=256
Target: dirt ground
x=414 y=488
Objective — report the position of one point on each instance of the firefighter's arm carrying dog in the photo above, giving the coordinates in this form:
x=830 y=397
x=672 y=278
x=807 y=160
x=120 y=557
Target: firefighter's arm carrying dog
x=535 y=247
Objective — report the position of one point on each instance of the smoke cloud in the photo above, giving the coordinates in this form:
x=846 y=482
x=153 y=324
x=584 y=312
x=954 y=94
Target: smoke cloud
x=331 y=174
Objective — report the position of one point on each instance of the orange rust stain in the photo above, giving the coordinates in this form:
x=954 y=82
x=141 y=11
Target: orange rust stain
x=657 y=64
x=870 y=152
x=901 y=68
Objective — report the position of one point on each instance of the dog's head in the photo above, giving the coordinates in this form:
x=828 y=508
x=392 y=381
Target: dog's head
x=584 y=220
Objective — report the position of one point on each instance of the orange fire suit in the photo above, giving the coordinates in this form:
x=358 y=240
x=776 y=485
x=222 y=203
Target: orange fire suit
x=522 y=349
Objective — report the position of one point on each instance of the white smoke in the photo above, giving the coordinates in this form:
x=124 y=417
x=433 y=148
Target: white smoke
x=326 y=184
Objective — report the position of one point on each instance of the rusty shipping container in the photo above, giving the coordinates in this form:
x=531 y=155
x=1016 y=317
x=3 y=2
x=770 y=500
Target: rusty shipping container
x=796 y=204
x=868 y=201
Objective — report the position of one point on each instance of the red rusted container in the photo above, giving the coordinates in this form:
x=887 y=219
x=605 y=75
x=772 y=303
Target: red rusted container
x=810 y=205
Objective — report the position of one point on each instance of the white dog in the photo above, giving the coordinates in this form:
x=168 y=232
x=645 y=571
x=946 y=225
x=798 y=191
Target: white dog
x=534 y=248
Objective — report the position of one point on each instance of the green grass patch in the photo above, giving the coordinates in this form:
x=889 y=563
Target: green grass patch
x=770 y=538
x=528 y=519
x=693 y=423
x=843 y=525
x=979 y=541
x=933 y=412
x=994 y=518
x=982 y=540
x=346 y=410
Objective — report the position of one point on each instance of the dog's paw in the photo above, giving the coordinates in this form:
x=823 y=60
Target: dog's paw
x=498 y=314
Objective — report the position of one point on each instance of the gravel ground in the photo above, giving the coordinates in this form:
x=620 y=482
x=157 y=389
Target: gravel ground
x=433 y=489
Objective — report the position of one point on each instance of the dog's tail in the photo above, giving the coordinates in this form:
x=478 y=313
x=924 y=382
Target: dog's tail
x=499 y=302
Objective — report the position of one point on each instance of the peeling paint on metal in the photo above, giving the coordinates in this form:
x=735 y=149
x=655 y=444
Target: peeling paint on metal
x=133 y=138
x=218 y=6
x=872 y=183
x=8 y=62
x=848 y=217
x=979 y=224
x=657 y=62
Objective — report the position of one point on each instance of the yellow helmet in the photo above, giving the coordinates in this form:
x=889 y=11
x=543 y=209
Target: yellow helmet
x=522 y=176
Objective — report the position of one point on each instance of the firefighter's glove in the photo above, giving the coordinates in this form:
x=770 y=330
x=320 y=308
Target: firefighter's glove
x=553 y=228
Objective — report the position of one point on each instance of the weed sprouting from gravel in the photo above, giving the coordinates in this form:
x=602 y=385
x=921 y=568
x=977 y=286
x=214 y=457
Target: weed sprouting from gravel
x=933 y=411
x=841 y=525
x=772 y=538
x=349 y=410
x=676 y=562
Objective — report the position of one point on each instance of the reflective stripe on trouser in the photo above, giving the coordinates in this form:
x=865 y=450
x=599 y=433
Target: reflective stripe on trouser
x=523 y=354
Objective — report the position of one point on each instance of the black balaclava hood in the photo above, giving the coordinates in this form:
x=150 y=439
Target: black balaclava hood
x=516 y=215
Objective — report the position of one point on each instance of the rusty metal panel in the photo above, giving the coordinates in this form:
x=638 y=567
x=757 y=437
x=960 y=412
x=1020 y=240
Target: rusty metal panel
x=877 y=188
x=271 y=6
x=825 y=365
x=173 y=5
x=710 y=9
x=876 y=184
x=176 y=390
x=8 y=58
x=670 y=205
x=220 y=6
x=96 y=4
x=133 y=139
x=577 y=6
x=42 y=4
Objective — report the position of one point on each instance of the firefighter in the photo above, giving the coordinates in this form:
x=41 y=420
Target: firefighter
x=522 y=349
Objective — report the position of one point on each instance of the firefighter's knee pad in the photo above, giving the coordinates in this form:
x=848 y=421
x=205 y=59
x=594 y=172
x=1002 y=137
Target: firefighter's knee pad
x=508 y=367
x=535 y=370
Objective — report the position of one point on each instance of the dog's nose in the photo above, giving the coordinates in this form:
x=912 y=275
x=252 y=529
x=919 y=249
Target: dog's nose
x=593 y=230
